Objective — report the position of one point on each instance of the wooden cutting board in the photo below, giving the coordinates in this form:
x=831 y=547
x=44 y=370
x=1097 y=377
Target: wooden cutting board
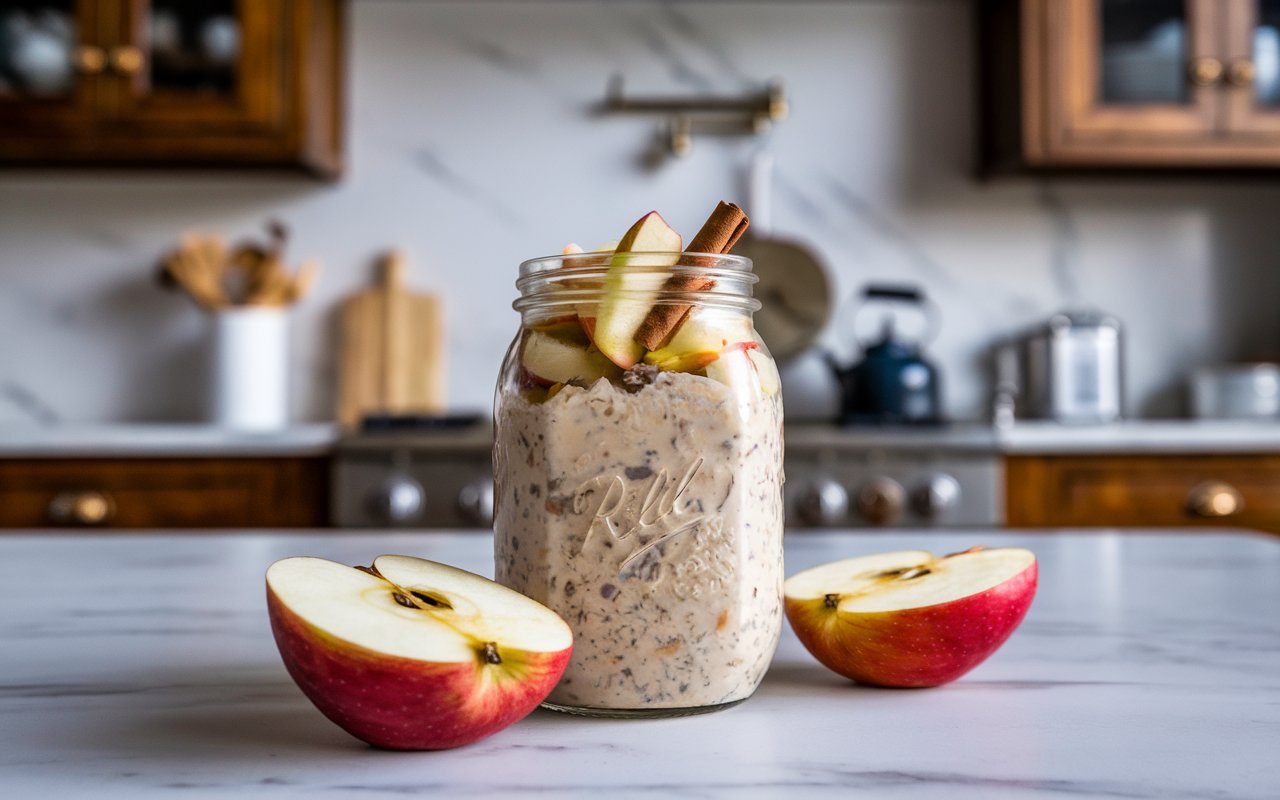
x=392 y=356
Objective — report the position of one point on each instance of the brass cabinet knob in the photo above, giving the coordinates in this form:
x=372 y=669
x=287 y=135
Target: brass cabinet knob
x=1241 y=72
x=81 y=508
x=1205 y=71
x=1214 y=499
x=90 y=59
x=127 y=59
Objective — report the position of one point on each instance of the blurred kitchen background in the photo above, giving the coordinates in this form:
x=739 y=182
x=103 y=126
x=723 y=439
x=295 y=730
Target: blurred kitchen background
x=1010 y=160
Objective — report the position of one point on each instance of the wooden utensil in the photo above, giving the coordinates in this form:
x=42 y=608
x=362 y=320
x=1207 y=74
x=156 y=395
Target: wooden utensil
x=392 y=352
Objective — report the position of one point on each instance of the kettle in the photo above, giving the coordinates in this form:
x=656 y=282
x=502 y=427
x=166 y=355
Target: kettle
x=893 y=383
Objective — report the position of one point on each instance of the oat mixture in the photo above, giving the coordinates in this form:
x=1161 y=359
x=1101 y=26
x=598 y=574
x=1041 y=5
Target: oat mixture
x=650 y=519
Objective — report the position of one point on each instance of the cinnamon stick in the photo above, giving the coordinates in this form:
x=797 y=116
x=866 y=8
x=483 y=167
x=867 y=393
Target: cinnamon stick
x=718 y=234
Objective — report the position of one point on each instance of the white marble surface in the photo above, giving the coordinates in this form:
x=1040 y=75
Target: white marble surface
x=1143 y=436
x=136 y=439
x=1035 y=437
x=1149 y=667
x=19 y=440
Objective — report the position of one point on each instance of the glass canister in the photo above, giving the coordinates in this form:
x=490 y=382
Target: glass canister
x=639 y=495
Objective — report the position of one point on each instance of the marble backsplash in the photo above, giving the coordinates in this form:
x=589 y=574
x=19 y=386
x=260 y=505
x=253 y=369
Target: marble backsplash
x=473 y=146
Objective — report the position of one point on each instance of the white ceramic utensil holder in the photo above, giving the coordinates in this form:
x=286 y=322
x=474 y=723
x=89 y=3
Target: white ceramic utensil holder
x=250 y=368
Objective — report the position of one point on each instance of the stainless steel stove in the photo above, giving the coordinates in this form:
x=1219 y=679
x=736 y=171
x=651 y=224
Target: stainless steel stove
x=836 y=477
x=893 y=478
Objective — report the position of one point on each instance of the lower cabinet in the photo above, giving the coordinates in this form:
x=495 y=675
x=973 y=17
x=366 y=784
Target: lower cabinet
x=164 y=493
x=1144 y=491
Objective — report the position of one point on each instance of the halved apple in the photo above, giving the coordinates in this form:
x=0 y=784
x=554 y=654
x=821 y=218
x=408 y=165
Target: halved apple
x=909 y=618
x=411 y=654
x=631 y=284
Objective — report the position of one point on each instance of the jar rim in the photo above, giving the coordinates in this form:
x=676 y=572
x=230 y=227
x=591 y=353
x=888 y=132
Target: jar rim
x=561 y=280
x=727 y=262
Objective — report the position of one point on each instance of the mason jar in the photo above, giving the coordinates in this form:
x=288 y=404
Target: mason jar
x=639 y=494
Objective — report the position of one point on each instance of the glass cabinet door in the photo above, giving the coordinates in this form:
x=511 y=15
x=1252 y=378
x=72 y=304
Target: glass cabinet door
x=47 y=55
x=200 y=61
x=1141 y=65
x=1252 y=71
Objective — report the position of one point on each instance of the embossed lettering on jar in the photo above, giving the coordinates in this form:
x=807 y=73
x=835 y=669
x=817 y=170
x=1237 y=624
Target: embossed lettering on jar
x=644 y=505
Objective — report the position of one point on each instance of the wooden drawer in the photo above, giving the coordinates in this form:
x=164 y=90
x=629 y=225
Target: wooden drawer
x=164 y=493
x=1142 y=491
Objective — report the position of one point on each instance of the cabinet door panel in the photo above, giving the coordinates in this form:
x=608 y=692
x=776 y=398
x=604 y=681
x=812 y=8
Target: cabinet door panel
x=1144 y=491
x=207 y=65
x=1253 y=70
x=1117 y=77
x=49 y=64
x=165 y=493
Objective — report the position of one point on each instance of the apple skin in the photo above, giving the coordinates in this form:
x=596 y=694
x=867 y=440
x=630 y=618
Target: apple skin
x=404 y=704
x=914 y=647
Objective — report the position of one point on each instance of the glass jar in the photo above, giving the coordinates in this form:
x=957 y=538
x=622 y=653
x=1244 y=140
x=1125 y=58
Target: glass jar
x=643 y=505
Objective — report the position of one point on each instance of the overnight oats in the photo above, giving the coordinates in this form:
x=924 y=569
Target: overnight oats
x=638 y=470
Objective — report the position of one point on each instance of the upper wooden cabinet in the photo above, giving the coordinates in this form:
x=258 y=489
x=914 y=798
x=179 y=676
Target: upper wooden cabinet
x=176 y=82
x=1131 y=83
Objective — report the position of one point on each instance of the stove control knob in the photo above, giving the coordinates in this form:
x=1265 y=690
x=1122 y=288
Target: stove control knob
x=881 y=501
x=398 y=498
x=825 y=502
x=475 y=501
x=936 y=495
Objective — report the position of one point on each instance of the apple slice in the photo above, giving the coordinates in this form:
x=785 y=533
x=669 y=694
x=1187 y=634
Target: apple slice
x=700 y=334
x=766 y=369
x=552 y=356
x=909 y=618
x=411 y=654
x=683 y=362
x=632 y=282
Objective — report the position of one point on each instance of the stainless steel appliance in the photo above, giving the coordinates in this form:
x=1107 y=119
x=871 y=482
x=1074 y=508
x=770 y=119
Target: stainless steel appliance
x=1236 y=391
x=947 y=476
x=414 y=479
x=895 y=478
x=1073 y=369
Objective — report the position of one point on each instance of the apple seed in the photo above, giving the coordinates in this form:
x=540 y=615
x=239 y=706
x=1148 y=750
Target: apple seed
x=490 y=653
x=831 y=601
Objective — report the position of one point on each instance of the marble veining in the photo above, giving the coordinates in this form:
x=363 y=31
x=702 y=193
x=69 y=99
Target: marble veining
x=1149 y=667
x=475 y=144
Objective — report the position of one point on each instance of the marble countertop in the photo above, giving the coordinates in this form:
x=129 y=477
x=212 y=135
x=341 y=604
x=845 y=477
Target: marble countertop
x=1050 y=438
x=180 y=439
x=1149 y=667
x=175 y=439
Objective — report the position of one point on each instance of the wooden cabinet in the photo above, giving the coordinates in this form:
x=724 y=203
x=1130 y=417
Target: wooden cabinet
x=1130 y=83
x=164 y=493
x=173 y=82
x=1144 y=491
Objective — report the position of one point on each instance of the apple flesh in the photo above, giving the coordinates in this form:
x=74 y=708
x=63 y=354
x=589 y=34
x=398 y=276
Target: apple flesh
x=635 y=276
x=698 y=341
x=560 y=353
x=411 y=654
x=909 y=618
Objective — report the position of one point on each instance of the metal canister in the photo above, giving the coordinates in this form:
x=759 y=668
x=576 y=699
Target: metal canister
x=1074 y=369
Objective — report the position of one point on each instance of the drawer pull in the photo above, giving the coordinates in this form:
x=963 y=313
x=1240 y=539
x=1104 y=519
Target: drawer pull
x=81 y=508
x=1214 y=500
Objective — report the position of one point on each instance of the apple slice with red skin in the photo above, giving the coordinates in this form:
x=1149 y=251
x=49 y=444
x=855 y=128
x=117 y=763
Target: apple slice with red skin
x=411 y=654
x=909 y=618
